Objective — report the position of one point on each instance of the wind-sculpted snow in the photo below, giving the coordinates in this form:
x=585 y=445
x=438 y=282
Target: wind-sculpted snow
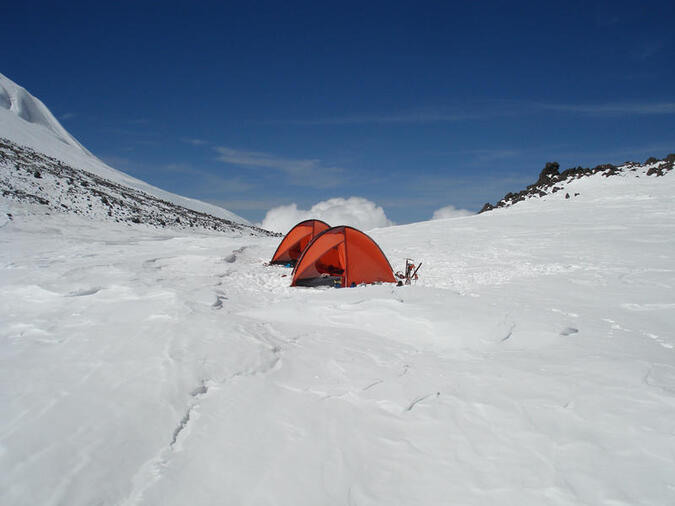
x=532 y=363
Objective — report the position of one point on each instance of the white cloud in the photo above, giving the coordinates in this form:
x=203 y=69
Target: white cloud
x=355 y=211
x=194 y=142
x=450 y=212
x=302 y=172
x=615 y=109
x=406 y=117
x=258 y=159
x=497 y=108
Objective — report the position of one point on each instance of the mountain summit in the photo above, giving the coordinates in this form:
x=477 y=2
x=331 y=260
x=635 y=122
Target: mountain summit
x=16 y=100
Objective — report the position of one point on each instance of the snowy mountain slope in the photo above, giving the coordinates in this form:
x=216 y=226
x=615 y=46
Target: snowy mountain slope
x=29 y=176
x=26 y=121
x=17 y=100
x=551 y=181
x=533 y=363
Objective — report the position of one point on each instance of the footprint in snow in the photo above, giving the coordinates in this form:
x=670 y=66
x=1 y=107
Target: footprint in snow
x=375 y=383
x=218 y=304
x=200 y=390
x=83 y=292
x=232 y=257
x=416 y=401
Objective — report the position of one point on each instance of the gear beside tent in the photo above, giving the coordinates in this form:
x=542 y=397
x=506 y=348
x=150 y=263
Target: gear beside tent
x=296 y=240
x=342 y=256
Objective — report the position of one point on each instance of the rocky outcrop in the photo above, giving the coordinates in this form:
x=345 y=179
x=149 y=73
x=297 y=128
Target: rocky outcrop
x=29 y=176
x=551 y=180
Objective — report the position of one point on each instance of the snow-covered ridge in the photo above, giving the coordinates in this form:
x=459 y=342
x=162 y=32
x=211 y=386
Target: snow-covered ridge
x=551 y=181
x=27 y=176
x=26 y=121
x=17 y=100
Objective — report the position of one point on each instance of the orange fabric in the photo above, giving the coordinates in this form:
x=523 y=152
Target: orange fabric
x=321 y=252
x=347 y=252
x=297 y=239
x=365 y=261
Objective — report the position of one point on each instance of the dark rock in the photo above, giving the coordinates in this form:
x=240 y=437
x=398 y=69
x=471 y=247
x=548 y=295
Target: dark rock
x=77 y=188
x=549 y=177
x=549 y=173
x=660 y=170
x=486 y=207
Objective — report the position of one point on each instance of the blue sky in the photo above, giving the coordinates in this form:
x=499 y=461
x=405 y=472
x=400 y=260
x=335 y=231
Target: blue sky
x=414 y=106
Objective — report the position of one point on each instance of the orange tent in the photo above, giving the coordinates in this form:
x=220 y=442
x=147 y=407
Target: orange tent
x=342 y=256
x=296 y=240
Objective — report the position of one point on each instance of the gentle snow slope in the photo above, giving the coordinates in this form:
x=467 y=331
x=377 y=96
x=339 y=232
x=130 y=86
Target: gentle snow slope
x=532 y=364
x=26 y=121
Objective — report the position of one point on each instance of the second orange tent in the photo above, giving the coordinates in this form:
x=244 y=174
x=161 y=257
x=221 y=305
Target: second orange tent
x=296 y=240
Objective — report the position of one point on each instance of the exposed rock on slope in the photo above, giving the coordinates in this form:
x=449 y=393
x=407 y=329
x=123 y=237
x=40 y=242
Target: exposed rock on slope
x=551 y=180
x=32 y=177
x=26 y=121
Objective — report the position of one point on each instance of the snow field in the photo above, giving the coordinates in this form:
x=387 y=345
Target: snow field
x=533 y=363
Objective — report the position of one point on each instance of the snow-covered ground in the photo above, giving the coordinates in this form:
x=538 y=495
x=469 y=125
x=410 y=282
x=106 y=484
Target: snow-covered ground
x=533 y=363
